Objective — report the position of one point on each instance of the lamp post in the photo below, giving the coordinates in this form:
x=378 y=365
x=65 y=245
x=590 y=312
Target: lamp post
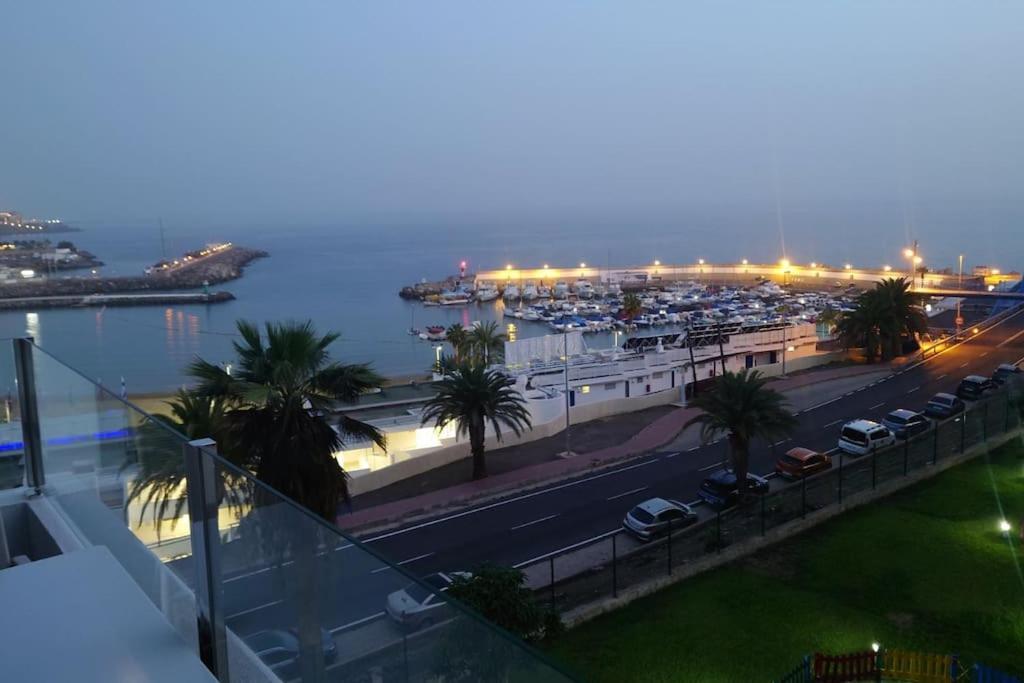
x=959 y=285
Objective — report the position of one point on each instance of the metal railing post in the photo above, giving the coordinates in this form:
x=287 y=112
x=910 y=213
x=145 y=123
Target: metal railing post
x=840 y=454
x=935 y=444
x=906 y=454
x=670 y=547
x=803 y=496
x=963 y=431
x=201 y=488
x=718 y=531
x=552 y=561
x=763 y=494
x=615 y=566
x=35 y=474
x=984 y=422
x=874 y=465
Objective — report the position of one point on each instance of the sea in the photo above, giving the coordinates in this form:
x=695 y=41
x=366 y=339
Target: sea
x=345 y=276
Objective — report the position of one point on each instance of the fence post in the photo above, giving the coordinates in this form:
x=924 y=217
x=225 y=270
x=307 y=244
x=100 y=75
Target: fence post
x=670 y=547
x=718 y=531
x=984 y=422
x=874 y=460
x=552 y=561
x=201 y=493
x=963 y=431
x=840 y=454
x=615 y=566
x=1006 y=422
x=763 y=494
x=803 y=496
x=906 y=454
x=935 y=444
x=35 y=475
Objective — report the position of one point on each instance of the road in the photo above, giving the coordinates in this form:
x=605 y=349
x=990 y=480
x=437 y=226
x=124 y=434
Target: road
x=523 y=528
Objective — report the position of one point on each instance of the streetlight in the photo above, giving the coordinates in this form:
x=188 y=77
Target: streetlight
x=887 y=268
x=582 y=266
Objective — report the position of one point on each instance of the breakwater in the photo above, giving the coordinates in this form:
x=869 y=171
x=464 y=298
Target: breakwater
x=218 y=268
x=149 y=299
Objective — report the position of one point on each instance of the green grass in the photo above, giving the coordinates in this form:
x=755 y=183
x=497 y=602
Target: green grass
x=925 y=569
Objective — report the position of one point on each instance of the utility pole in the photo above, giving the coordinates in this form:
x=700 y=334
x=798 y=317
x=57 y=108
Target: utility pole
x=959 y=285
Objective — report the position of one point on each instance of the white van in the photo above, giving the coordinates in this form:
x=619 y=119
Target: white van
x=860 y=437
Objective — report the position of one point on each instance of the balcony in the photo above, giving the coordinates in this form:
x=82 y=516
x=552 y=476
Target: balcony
x=128 y=552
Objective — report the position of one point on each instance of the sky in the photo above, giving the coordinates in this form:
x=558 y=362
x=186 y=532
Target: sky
x=301 y=111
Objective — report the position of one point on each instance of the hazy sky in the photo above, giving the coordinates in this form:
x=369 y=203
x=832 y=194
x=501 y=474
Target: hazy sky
x=251 y=111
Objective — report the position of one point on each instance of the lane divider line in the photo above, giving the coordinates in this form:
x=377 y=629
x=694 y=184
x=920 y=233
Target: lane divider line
x=536 y=521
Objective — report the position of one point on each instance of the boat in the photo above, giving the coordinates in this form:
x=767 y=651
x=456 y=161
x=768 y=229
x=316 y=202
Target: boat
x=487 y=292
x=511 y=292
x=561 y=290
x=434 y=333
x=544 y=292
x=529 y=292
x=584 y=289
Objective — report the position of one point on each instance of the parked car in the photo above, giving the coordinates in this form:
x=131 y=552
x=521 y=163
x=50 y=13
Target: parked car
x=1005 y=372
x=801 y=462
x=861 y=437
x=974 y=387
x=906 y=423
x=279 y=649
x=719 y=490
x=654 y=516
x=944 y=405
x=417 y=606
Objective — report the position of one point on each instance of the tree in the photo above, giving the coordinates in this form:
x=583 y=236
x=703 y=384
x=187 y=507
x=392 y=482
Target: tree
x=485 y=343
x=160 y=481
x=861 y=327
x=742 y=408
x=903 y=318
x=500 y=595
x=457 y=336
x=473 y=396
x=631 y=306
x=278 y=400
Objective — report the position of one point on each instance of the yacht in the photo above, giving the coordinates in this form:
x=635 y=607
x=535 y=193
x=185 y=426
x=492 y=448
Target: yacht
x=511 y=292
x=561 y=290
x=487 y=292
x=529 y=292
x=544 y=292
x=584 y=289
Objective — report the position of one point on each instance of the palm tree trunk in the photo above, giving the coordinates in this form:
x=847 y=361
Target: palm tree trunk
x=476 y=447
x=739 y=452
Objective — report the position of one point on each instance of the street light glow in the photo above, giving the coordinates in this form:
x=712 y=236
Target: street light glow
x=908 y=253
x=700 y=261
x=875 y=647
x=887 y=268
x=583 y=265
x=784 y=263
x=508 y=267
x=814 y=264
x=918 y=260
x=1004 y=526
x=657 y=262
x=848 y=266
x=745 y=261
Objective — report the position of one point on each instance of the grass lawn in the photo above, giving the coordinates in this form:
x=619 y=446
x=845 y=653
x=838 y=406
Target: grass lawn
x=924 y=569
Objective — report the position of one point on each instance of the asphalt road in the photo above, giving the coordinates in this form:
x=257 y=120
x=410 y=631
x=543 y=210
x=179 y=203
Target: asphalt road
x=523 y=528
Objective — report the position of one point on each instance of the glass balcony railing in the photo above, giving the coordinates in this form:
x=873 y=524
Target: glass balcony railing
x=260 y=588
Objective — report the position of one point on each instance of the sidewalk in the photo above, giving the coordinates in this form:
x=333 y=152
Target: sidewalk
x=662 y=428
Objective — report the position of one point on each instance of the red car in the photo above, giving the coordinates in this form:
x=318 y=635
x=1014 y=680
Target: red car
x=800 y=462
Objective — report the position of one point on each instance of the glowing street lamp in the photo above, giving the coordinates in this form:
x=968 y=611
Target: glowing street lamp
x=848 y=266
x=887 y=268
x=1004 y=527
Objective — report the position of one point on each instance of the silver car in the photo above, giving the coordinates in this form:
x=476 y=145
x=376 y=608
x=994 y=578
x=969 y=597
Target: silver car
x=417 y=606
x=654 y=516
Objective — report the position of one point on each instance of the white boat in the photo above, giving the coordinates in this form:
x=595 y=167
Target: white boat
x=561 y=290
x=529 y=292
x=511 y=292
x=584 y=289
x=487 y=292
x=544 y=292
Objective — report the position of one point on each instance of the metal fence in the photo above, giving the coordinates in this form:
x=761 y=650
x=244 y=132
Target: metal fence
x=612 y=568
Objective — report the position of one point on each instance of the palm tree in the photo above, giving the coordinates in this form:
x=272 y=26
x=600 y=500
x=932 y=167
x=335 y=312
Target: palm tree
x=741 y=407
x=457 y=336
x=631 y=306
x=160 y=481
x=278 y=400
x=861 y=327
x=485 y=343
x=904 y=317
x=473 y=396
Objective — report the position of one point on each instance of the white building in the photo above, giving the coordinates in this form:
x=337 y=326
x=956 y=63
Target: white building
x=645 y=372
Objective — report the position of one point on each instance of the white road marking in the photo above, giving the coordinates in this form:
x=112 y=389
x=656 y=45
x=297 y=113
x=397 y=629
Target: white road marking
x=357 y=622
x=567 y=548
x=499 y=503
x=538 y=521
x=254 y=609
x=411 y=559
x=832 y=424
x=1009 y=339
x=779 y=443
x=963 y=365
x=913 y=390
x=691 y=450
x=627 y=493
x=982 y=355
x=671 y=455
x=942 y=376
x=711 y=467
x=877 y=405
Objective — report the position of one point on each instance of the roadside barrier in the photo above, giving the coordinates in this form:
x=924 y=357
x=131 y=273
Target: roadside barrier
x=895 y=665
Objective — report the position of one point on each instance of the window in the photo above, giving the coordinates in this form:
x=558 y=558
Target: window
x=585 y=389
x=610 y=386
x=658 y=375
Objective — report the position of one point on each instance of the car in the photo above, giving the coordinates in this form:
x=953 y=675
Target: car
x=974 y=387
x=942 y=406
x=279 y=649
x=420 y=605
x=719 y=490
x=861 y=437
x=1005 y=372
x=906 y=423
x=656 y=516
x=801 y=462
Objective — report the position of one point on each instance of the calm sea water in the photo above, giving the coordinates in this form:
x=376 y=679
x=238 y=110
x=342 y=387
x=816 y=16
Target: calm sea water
x=346 y=277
